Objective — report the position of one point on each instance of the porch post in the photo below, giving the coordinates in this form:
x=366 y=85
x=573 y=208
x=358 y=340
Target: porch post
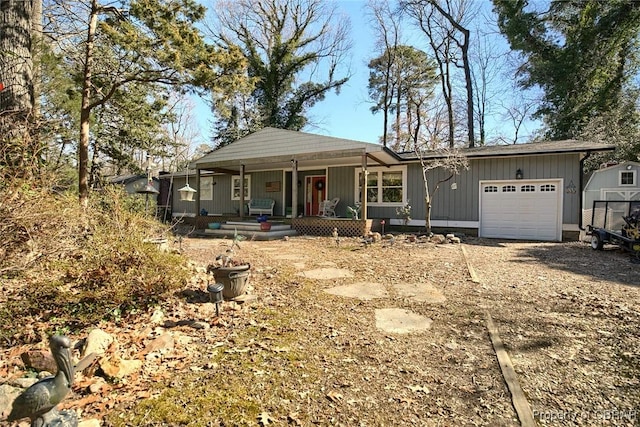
x=199 y=192
x=363 y=201
x=294 y=188
x=241 y=191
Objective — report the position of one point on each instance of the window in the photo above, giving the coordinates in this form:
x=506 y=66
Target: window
x=509 y=189
x=490 y=189
x=528 y=188
x=384 y=186
x=392 y=187
x=627 y=178
x=548 y=188
x=235 y=187
x=206 y=188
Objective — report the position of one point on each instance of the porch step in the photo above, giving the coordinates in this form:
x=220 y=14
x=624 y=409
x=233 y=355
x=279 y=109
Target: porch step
x=251 y=230
x=252 y=226
x=255 y=234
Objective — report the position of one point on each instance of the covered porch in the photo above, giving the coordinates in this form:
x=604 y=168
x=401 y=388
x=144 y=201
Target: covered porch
x=298 y=171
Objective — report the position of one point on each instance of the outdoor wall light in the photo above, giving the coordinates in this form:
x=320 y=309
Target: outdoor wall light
x=519 y=174
x=215 y=295
x=629 y=167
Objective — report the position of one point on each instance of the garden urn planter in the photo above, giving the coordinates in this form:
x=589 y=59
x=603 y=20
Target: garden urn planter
x=234 y=279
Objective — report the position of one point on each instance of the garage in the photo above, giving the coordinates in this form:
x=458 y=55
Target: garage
x=521 y=209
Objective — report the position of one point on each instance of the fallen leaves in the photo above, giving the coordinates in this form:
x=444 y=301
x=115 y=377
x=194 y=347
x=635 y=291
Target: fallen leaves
x=265 y=419
x=303 y=357
x=334 y=396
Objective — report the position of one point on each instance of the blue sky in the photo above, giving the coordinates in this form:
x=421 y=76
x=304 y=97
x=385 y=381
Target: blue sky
x=348 y=114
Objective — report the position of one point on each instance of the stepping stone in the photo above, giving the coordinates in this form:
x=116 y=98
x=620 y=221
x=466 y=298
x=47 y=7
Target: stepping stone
x=423 y=292
x=361 y=290
x=401 y=321
x=326 y=273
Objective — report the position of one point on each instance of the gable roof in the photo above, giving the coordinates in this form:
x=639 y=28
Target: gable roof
x=621 y=165
x=278 y=147
x=528 y=149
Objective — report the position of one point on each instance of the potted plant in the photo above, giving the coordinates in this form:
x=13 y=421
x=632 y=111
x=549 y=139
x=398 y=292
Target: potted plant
x=232 y=273
x=354 y=211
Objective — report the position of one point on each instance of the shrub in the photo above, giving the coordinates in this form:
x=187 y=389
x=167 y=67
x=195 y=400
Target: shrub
x=65 y=267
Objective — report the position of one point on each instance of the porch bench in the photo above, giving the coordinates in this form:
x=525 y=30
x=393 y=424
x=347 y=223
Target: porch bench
x=261 y=206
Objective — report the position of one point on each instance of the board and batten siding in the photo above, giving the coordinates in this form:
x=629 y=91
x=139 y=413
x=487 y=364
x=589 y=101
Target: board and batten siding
x=462 y=204
x=259 y=188
x=341 y=183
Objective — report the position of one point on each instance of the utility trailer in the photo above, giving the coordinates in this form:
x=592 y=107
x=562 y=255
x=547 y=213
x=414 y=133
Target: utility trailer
x=617 y=223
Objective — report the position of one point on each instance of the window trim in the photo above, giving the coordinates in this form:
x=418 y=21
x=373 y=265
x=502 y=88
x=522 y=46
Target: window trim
x=379 y=171
x=235 y=178
x=633 y=174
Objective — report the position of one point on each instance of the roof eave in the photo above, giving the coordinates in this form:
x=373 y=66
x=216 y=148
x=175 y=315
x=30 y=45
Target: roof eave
x=519 y=153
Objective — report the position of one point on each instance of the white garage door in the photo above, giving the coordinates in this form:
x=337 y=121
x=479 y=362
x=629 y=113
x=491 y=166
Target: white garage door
x=526 y=210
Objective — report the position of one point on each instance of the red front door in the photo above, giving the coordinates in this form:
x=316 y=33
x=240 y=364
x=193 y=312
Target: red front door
x=315 y=193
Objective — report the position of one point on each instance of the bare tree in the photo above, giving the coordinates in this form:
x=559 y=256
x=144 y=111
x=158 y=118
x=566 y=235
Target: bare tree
x=443 y=24
x=451 y=160
x=487 y=62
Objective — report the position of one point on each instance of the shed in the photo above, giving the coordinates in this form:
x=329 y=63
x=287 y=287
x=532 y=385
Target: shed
x=134 y=183
x=612 y=182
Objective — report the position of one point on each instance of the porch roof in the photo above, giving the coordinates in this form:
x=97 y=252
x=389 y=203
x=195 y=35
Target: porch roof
x=271 y=148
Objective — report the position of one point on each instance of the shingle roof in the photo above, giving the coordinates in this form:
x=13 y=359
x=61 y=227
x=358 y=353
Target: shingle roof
x=272 y=142
x=533 y=148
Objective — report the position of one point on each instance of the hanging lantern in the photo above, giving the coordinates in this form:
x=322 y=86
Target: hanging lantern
x=186 y=193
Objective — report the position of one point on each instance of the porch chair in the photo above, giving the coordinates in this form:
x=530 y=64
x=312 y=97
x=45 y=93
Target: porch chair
x=328 y=207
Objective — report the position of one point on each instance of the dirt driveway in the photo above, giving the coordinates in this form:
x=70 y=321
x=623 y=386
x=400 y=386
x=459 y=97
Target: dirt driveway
x=569 y=318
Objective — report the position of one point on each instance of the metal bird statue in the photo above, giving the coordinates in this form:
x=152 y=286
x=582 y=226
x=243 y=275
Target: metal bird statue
x=39 y=401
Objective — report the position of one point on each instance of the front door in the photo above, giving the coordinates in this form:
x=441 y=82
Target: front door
x=315 y=193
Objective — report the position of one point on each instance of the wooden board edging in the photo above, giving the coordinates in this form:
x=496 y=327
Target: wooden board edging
x=520 y=403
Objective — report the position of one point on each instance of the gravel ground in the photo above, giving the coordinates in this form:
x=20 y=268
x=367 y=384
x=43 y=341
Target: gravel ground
x=302 y=352
x=568 y=317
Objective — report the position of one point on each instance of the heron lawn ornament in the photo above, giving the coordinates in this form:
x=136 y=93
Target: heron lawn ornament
x=39 y=401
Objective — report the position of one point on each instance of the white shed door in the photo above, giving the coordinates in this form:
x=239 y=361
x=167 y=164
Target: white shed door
x=525 y=210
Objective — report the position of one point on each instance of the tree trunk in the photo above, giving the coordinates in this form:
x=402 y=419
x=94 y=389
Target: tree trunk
x=85 y=110
x=18 y=153
x=16 y=64
x=427 y=214
x=36 y=54
x=467 y=77
x=448 y=95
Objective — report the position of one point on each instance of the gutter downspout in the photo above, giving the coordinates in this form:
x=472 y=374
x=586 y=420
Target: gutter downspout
x=580 y=185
